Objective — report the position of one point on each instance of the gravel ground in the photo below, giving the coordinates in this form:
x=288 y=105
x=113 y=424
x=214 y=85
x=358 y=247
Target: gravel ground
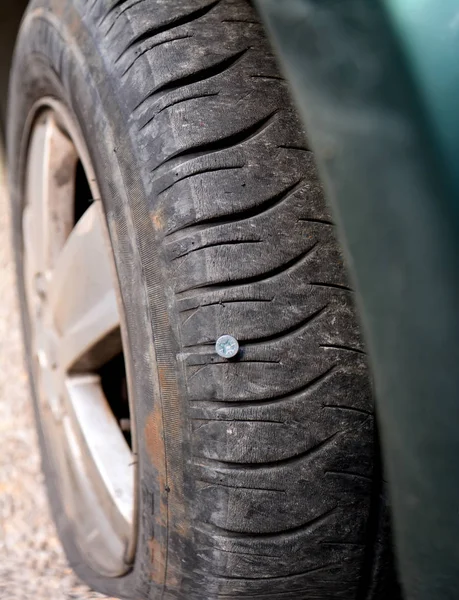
x=32 y=563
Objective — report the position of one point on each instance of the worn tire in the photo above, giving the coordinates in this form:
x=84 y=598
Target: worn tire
x=258 y=476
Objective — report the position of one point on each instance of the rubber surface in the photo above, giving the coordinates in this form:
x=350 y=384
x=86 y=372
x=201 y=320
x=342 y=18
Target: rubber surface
x=258 y=477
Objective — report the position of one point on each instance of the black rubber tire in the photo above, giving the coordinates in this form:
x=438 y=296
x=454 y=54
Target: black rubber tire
x=258 y=476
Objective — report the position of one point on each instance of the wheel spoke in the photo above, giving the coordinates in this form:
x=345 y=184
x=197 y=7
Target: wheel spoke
x=34 y=218
x=50 y=151
x=82 y=298
x=106 y=453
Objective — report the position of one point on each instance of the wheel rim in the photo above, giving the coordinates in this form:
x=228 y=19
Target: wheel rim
x=76 y=330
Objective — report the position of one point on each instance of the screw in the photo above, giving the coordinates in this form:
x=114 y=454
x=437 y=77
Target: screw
x=227 y=346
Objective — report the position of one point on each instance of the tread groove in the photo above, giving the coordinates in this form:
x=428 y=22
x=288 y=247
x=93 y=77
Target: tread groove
x=240 y=21
x=245 y=553
x=263 y=277
x=335 y=286
x=268 y=77
x=183 y=100
x=224 y=143
x=269 y=401
x=350 y=408
x=312 y=220
x=196 y=77
x=239 y=487
x=202 y=172
x=216 y=245
x=300 y=148
x=244 y=215
x=110 y=10
x=345 y=348
x=348 y=475
x=286 y=332
x=236 y=420
x=151 y=32
x=235 y=466
x=286 y=534
x=224 y=302
x=129 y=67
x=279 y=577
x=303 y=324
x=225 y=362
x=125 y=9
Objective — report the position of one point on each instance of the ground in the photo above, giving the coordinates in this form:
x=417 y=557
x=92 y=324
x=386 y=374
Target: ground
x=32 y=563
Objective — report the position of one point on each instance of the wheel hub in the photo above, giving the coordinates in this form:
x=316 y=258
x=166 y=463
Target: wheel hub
x=76 y=327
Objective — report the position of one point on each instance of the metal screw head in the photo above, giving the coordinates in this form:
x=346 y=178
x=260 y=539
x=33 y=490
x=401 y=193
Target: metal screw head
x=227 y=346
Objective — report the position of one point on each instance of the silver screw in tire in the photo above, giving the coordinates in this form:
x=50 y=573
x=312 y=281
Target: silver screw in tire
x=227 y=346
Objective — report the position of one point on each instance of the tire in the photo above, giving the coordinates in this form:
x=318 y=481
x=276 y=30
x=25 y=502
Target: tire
x=258 y=476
